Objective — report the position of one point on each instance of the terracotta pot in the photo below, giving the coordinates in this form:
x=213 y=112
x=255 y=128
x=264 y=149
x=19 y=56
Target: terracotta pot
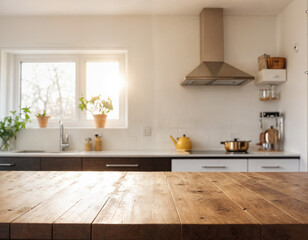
x=43 y=121
x=100 y=120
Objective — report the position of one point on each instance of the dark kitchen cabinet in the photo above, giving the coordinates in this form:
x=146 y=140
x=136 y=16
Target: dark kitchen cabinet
x=126 y=164
x=60 y=164
x=19 y=164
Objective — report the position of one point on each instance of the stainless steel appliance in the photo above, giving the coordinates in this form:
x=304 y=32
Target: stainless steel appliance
x=236 y=146
x=213 y=70
x=217 y=152
x=272 y=135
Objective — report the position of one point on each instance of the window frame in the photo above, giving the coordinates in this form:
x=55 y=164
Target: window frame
x=80 y=58
x=19 y=59
x=122 y=94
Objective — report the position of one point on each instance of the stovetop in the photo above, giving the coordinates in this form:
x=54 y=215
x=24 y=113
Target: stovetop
x=218 y=152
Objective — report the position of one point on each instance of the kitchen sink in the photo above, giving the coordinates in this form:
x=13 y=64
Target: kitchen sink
x=29 y=151
x=43 y=151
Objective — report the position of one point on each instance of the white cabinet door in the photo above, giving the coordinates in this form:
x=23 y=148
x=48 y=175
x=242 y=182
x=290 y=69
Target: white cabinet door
x=209 y=165
x=273 y=165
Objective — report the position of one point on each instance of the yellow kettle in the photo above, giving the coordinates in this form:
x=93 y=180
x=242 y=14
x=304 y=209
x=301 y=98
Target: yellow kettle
x=183 y=144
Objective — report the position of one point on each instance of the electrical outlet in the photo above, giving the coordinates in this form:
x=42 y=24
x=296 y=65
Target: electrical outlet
x=147 y=131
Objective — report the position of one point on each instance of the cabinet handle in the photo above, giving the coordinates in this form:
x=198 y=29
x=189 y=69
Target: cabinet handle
x=276 y=76
x=214 y=167
x=7 y=164
x=270 y=166
x=122 y=165
x=306 y=72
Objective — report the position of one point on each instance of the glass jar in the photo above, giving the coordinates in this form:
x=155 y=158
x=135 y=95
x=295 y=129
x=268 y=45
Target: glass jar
x=88 y=145
x=269 y=93
x=5 y=144
x=273 y=92
x=265 y=94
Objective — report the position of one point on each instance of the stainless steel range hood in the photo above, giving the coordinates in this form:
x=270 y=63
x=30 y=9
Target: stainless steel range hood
x=213 y=70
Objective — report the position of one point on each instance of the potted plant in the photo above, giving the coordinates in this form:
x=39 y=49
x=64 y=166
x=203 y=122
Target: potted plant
x=42 y=119
x=10 y=125
x=98 y=107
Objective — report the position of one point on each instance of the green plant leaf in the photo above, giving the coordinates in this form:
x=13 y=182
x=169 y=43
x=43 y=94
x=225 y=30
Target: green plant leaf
x=12 y=124
x=96 y=105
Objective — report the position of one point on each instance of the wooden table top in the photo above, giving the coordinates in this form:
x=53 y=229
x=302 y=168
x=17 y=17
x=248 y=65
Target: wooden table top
x=153 y=205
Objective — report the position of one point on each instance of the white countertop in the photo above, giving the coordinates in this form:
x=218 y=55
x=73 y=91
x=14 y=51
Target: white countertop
x=149 y=153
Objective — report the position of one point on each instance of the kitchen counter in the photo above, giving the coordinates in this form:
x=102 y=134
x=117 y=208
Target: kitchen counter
x=150 y=154
x=162 y=205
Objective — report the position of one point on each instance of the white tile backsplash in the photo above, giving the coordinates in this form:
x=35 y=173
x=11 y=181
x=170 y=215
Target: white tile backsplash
x=161 y=51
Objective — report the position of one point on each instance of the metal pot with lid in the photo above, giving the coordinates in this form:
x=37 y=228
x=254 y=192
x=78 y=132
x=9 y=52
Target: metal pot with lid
x=236 y=146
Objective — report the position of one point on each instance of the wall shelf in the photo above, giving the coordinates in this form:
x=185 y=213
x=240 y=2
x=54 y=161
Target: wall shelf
x=271 y=76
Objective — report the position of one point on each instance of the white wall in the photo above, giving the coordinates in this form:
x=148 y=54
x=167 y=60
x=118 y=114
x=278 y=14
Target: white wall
x=161 y=51
x=292 y=28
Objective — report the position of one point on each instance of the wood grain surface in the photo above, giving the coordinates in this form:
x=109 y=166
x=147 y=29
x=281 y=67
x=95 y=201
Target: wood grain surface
x=136 y=164
x=60 y=164
x=206 y=212
x=141 y=208
x=76 y=222
x=20 y=164
x=153 y=205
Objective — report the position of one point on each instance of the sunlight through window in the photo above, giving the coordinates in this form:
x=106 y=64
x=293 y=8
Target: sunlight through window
x=103 y=78
x=55 y=82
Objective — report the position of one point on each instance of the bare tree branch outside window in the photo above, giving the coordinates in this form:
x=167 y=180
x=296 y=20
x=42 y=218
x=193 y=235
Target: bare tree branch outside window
x=49 y=86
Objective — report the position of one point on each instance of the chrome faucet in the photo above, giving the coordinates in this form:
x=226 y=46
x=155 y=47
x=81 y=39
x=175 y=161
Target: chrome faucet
x=63 y=144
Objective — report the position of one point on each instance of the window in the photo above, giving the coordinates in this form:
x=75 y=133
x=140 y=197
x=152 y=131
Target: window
x=104 y=78
x=50 y=86
x=55 y=80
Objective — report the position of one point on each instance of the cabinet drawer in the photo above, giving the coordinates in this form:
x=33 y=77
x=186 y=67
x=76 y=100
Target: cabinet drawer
x=273 y=165
x=61 y=164
x=126 y=164
x=209 y=165
x=22 y=164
